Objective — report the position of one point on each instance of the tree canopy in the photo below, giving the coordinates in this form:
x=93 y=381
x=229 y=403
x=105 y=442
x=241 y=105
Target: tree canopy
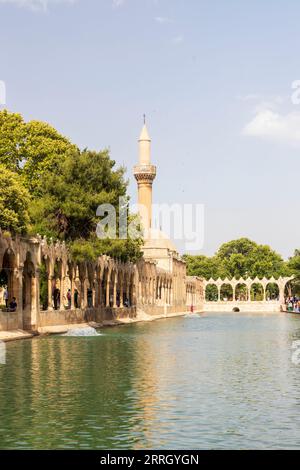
x=48 y=186
x=294 y=269
x=30 y=149
x=14 y=202
x=70 y=197
x=67 y=206
x=238 y=258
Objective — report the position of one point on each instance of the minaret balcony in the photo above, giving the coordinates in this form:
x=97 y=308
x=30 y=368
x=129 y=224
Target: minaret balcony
x=147 y=172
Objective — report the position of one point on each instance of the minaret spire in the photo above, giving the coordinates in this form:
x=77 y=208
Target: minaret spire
x=145 y=174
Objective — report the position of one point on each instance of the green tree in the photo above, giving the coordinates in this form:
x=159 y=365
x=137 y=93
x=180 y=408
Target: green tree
x=242 y=246
x=204 y=266
x=238 y=258
x=30 y=149
x=43 y=150
x=14 y=202
x=69 y=200
x=293 y=266
x=12 y=139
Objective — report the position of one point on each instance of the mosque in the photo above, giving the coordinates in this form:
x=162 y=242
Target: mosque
x=107 y=290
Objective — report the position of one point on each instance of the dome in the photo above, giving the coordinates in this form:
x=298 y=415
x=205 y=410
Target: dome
x=159 y=240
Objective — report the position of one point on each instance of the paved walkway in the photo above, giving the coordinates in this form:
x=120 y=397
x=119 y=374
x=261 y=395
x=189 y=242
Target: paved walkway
x=13 y=335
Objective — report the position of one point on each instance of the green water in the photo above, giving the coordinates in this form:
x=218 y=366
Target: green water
x=217 y=381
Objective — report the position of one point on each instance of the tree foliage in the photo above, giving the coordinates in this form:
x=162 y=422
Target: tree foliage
x=293 y=265
x=238 y=258
x=65 y=185
x=14 y=202
x=69 y=200
x=31 y=149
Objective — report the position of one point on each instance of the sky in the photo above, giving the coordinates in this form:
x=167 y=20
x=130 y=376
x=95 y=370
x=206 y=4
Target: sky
x=215 y=79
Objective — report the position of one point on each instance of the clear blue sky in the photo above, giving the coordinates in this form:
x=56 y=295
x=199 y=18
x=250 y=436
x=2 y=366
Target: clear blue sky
x=214 y=78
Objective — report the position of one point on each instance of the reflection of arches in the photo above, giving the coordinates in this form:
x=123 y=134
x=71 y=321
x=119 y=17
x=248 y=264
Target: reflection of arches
x=226 y=292
x=241 y=292
x=257 y=292
x=211 y=293
x=272 y=291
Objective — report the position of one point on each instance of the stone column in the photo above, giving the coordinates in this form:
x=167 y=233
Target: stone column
x=72 y=287
x=19 y=295
x=171 y=295
x=107 y=291
x=121 y=293
x=115 y=293
x=281 y=294
x=34 y=299
x=50 y=285
x=84 y=286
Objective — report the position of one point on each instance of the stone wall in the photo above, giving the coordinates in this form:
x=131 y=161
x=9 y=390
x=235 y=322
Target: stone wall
x=8 y=321
x=99 y=290
x=156 y=310
x=253 y=306
x=77 y=316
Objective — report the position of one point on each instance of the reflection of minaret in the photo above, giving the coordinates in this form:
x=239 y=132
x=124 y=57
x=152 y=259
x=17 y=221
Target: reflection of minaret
x=145 y=174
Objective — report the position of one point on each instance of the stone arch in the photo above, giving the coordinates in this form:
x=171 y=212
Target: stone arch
x=90 y=285
x=57 y=284
x=272 y=291
x=226 y=292
x=7 y=273
x=120 y=288
x=29 y=287
x=113 y=288
x=44 y=283
x=105 y=286
x=257 y=292
x=211 y=292
x=241 y=292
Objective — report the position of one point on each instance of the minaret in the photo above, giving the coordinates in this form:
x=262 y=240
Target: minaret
x=145 y=174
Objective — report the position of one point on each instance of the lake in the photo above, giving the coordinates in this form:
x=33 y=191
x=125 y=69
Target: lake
x=216 y=381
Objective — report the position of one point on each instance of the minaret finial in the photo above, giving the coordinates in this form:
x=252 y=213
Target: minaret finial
x=144 y=116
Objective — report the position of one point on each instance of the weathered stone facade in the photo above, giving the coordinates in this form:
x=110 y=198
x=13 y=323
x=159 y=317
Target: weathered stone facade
x=242 y=295
x=106 y=289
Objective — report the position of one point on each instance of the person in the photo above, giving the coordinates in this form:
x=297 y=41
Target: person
x=13 y=305
x=76 y=298
x=69 y=297
x=5 y=297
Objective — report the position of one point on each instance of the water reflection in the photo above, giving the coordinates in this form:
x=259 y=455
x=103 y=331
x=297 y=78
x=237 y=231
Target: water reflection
x=221 y=381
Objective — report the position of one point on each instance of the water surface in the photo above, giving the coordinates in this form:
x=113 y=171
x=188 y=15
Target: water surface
x=219 y=381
